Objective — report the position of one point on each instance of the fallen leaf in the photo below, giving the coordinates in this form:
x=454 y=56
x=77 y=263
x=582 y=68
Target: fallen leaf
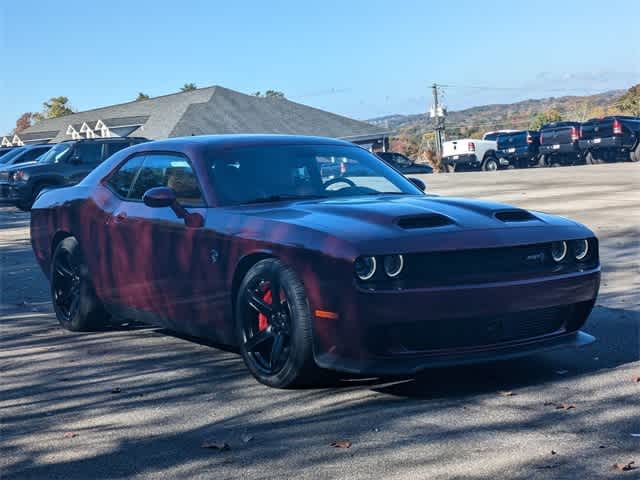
x=246 y=438
x=564 y=406
x=546 y=404
x=625 y=467
x=116 y=390
x=506 y=393
x=602 y=446
x=341 y=444
x=553 y=452
x=70 y=435
x=637 y=379
x=221 y=446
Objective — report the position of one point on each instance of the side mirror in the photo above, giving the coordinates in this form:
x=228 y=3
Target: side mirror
x=159 y=197
x=418 y=183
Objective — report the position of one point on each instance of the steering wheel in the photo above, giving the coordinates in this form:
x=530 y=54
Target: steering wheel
x=331 y=181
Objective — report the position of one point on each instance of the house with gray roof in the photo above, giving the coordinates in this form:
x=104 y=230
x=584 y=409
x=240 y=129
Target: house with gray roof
x=212 y=110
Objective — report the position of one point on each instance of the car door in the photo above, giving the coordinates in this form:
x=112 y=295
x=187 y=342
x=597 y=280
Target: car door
x=163 y=264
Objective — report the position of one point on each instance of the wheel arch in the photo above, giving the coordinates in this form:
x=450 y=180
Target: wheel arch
x=242 y=267
x=59 y=236
x=489 y=153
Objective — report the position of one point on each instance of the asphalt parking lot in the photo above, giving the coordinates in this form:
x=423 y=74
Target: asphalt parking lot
x=137 y=402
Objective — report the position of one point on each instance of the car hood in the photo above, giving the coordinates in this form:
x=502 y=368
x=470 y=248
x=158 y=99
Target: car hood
x=374 y=224
x=16 y=166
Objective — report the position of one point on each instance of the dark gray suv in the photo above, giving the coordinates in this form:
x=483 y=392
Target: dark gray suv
x=64 y=164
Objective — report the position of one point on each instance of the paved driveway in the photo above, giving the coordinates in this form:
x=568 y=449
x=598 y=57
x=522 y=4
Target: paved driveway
x=139 y=402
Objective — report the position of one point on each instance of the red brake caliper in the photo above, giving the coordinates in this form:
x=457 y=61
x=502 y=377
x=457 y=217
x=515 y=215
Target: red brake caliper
x=263 y=322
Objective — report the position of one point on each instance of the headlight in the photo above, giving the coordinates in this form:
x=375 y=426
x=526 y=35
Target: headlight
x=393 y=265
x=365 y=267
x=580 y=249
x=19 y=176
x=559 y=251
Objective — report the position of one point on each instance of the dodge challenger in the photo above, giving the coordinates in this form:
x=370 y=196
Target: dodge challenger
x=253 y=241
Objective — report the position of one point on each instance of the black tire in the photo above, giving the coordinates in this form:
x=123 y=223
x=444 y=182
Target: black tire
x=634 y=155
x=544 y=161
x=592 y=159
x=74 y=301
x=450 y=168
x=26 y=205
x=285 y=329
x=490 y=164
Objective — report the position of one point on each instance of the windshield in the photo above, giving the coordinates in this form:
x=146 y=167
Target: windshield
x=8 y=157
x=279 y=172
x=56 y=153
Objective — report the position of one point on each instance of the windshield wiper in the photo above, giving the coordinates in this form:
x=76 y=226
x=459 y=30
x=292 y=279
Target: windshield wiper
x=285 y=196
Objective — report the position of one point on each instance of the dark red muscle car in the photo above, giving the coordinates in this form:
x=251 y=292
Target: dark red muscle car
x=256 y=243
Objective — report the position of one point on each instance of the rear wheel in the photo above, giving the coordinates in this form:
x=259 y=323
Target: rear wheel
x=273 y=326
x=450 y=168
x=593 y=158
x=490 y=164
x=74 y=301
x=634 y=156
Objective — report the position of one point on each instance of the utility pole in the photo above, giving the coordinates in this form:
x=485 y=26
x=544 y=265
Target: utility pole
x=437 y=112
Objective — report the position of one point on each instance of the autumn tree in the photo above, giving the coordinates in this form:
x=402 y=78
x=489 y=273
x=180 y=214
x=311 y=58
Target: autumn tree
x=23 y=122
x=630 y=101
x=55 y=107
x=187 y=87
x=142 y=96
x=542 y=118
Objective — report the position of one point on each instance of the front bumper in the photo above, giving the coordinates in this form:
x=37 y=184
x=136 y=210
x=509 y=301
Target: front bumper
x=10 y=193
x=380 y=333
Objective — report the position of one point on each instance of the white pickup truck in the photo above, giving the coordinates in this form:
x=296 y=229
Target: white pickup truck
x=472 y=153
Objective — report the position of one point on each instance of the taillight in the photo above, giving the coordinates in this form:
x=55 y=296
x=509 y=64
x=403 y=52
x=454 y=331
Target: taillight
x=471 y=146
x=529 y=139
x=617 y=127
x=541 y=138
x=575 y=134
x=343 y=168
x=580 y=132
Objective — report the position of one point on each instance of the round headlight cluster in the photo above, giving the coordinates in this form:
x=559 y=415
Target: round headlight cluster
x=580 y=249
x=393 y=265
x=365 y=267
x=559 y=251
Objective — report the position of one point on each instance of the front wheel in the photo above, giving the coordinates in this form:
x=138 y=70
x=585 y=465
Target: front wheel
x=544 y=161
x=74 y=301
x=273 y=326
x=490 y=164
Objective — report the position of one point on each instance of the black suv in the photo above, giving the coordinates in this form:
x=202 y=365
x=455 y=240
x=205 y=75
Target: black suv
x=65 y=164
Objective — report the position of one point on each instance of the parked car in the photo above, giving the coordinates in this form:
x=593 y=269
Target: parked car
x=472 y=153
x=611 y=138
x=64 y=164
x=519 y=149
x=5 y=150
x=22 y=155
x=237 y=239
x=559 y=144
x=404 y=164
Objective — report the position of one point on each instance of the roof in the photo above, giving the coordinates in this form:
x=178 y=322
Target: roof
x=212 y=110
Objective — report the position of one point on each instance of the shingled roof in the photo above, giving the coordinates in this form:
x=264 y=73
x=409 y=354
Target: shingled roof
x=207 y=111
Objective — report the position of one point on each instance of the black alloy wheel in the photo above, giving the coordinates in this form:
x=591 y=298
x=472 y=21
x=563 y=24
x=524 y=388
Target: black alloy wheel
x=74 y=300
x=273 y=326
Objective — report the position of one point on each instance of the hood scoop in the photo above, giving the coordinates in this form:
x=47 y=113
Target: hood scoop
x=424 y=221
x=515 y=216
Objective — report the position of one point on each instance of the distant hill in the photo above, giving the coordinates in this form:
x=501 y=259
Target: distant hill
x=477 y=120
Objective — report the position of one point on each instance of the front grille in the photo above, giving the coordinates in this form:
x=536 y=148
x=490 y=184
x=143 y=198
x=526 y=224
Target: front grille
x=469 y=332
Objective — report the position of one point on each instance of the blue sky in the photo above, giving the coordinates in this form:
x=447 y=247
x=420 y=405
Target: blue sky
x=358 y=58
